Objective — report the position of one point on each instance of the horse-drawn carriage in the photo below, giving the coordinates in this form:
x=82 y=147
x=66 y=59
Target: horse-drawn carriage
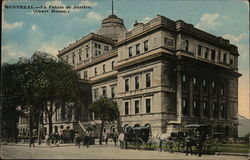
x=136 y=137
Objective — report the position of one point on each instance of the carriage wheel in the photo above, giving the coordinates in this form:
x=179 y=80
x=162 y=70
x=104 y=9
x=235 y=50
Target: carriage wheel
x=139 y=144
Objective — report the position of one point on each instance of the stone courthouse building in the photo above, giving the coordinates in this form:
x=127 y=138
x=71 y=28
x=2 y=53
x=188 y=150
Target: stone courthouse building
x=163 y=74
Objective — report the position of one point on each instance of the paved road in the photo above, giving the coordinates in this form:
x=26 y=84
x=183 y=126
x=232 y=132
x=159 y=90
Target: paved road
x=22 y=151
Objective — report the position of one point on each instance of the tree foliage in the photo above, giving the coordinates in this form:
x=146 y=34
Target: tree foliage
x=39 y=84
x=107 y=110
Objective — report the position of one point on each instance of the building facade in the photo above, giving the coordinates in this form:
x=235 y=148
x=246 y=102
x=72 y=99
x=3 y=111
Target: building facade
x=163 y=74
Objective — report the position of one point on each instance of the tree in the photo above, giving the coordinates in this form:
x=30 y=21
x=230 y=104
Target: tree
x=10 y=100
x=106 y=110
x=42 y=85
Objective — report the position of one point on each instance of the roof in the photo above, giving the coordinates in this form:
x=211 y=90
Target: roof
x=111 y=27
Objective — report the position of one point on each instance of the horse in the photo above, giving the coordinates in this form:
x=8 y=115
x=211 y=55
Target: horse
x=121 y=140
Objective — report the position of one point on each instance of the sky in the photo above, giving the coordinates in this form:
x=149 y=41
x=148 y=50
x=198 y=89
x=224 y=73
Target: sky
x=25 y=31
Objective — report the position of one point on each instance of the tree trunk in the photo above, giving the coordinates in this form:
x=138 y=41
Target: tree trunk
x=30 y=127
x=50 y=114
x=50 y=124
x=102 y=125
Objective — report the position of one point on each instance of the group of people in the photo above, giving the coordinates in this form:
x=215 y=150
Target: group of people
x=113 y=136
x=78 y=139
x=192 y=139
x=52 y=139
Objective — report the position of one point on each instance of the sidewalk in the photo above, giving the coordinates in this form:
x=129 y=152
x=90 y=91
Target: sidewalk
x=232 y=154
x=25 y=144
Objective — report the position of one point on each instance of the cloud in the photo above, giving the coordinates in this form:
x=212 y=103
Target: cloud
x=34 y=27
x=210 y=21
x=11 y=52
x=55 y=3
x=87 y=3
x=236 y=39
x=10 y=26
x=93 y=16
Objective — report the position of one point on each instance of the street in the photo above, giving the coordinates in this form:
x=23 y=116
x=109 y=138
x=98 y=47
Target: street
x=69 y=151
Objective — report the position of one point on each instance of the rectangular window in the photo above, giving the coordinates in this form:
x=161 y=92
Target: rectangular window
x=214 y=108
x=186 y=45
x=204 y=82
x=85 y=74
x=104 y=92
x=137 y=107
x=222 y=91
x=80 y=57
x=148 y=105
x=145 y=46
x=223 y=111
x=184 y=107
x=213 y=55
x=104 y=68
x=206 y=52
x=95 y=94
x=225 y=58
x=196 y=108
x=231 y=61
x=130 y=52
x=113 y=65
x=194 y=80
x=199 y=50
x=126 y=85
x=73 y=59
x=87 y=53
x=183 y=78
x=137 y=82
x=126 y=108
x=168 y=41
x=95 y=71
x=113 y=92
x=137 y=49
x=148 y=80
x=96 y=52
x=205 y=109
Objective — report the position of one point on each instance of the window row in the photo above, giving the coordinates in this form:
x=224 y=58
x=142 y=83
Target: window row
x=137 y=49
x=138 y=107
x=137 y=84
x=197 y=82
x=202 y=109
x=104 y=68
x=104 y=92
x=98 y=46
x=208 y=53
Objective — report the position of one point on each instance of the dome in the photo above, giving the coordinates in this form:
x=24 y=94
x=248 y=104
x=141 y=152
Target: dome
x=112 y=27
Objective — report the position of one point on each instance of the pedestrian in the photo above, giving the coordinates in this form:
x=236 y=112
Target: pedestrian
x=87 y=139
x=32 y=141
x=106 y=138
x=160 y=144
x=47 y=140
x=114 y=138
x=200 y=143
x=78 y=140
x=189 y=142
x=171 y=144
x=121 y=140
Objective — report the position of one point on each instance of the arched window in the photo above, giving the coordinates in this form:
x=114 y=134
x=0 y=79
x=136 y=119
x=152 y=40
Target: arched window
x=137 y=125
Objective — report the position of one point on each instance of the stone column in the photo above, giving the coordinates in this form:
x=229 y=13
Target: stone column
x=191 y=86
x=178 y=93
x=200 y=101
x=228 y=88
